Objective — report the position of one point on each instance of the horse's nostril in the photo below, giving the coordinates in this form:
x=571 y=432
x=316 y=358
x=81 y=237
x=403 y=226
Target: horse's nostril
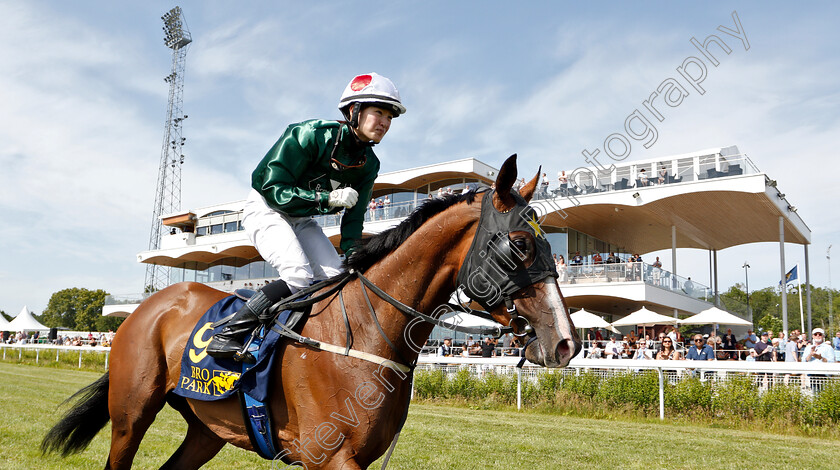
x=566 y=350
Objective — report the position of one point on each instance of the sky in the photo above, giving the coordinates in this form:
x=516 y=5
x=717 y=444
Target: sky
x=84 y=103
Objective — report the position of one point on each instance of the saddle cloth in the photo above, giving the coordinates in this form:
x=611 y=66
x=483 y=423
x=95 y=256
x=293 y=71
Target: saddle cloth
x=206 y=378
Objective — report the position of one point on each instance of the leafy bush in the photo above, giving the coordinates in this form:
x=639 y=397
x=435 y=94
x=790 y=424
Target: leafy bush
x=689 y=396
x=737 y=397
x=585 y=384
x=640 y=390
x=782 y=401
x=826 y=409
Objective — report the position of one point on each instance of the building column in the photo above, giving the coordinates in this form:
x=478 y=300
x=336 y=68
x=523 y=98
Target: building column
x=782 y=277
x=674 y=282
x=808 y=293
x=717 y=292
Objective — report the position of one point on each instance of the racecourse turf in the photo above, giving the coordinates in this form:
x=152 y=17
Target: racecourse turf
x=435 y=437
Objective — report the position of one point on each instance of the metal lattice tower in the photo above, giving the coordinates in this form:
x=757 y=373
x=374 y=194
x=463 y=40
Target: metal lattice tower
x=168 y=194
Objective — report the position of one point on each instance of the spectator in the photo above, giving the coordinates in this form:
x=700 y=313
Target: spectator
x=762 y=351
x=488 y=348
x=643 y=177
x=564 y=182
x=445 y=349
x=792 y=349
x=688 y=287
x=729 y=341
x=577 y=259
x=642 y=352
x=562 y=269
x=836 y=341
x=612 y=350
x=596 y=258
x=663 y=175
x=819 y=351
x=750 y=339
x=611 y=259
x=667 y=352
x=597 y=351
x=700 y=351
x=626 y=351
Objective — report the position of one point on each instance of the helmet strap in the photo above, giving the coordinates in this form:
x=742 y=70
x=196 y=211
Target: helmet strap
x=354 y=115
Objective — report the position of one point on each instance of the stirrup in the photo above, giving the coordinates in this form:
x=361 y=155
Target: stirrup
x=244 y=356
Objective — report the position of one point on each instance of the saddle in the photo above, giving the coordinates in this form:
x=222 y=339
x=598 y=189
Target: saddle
x=206 y=378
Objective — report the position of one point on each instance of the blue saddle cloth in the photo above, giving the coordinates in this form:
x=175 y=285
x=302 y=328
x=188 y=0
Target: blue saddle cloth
x=206 y=378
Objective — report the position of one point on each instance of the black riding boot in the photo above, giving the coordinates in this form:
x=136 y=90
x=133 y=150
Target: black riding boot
x=229 y=342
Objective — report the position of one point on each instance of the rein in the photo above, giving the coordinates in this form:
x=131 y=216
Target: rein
x=338 y=285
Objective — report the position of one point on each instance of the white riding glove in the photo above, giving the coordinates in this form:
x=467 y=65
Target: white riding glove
x=344 y=197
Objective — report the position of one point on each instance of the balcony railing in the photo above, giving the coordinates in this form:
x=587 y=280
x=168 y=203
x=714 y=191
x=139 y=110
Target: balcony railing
x=392 y=211
x=634 y=272
x=656 y=173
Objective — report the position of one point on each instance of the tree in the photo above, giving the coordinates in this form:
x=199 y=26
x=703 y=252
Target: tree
x=5 y=315
x=75 y=308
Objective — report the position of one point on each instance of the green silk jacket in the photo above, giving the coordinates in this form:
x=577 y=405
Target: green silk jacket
x=296 y=176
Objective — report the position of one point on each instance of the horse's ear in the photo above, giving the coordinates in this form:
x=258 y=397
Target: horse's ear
x=502 y=199
x=527 y=191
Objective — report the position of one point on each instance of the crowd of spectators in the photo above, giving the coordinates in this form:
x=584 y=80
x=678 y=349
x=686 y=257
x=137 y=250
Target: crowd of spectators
x=90 y=339
x=707 y=347
x=507 y=345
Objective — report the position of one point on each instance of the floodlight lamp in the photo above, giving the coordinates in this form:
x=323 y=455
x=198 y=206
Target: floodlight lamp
x=636 y=195
x=771 y=183
x=781 y=195
x=792 y=208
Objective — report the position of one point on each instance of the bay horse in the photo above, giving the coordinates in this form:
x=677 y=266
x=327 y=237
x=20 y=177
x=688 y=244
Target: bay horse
x=329 y=411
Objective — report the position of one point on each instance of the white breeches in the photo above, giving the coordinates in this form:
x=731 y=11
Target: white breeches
x=295 y=246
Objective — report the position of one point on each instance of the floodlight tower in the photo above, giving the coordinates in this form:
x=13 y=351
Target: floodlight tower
x=168 y=194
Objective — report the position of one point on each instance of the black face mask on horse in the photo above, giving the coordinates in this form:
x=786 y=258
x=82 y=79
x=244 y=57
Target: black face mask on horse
x=509 y=252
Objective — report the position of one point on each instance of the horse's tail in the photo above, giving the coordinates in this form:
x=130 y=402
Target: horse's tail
x=82 y=422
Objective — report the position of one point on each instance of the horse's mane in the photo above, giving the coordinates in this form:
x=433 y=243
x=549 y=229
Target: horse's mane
x=370 y=250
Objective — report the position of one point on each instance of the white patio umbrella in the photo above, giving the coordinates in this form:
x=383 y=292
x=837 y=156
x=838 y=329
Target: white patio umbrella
x=714 y=315
x=583 y=319
x=644 y=317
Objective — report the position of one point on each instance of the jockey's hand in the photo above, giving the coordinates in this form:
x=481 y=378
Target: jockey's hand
x=344 y=197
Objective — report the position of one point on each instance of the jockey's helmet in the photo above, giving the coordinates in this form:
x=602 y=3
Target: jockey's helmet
x=373 y=89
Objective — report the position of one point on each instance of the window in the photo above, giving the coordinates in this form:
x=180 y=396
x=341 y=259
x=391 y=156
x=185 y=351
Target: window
x=231 y=227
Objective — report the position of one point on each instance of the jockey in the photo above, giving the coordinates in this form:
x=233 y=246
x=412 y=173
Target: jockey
x=316 y=167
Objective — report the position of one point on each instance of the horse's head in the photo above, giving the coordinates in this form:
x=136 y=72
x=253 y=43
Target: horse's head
x=509 y=270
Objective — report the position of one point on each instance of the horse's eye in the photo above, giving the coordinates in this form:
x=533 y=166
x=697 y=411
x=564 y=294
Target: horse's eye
x=521 y=245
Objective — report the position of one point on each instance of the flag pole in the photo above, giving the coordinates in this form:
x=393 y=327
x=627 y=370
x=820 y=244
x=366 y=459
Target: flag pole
x=801 y=315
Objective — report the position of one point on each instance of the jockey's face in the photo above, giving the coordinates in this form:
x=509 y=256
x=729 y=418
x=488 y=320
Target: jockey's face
x=374 y=123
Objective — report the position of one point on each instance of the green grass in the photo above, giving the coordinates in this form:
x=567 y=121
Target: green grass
x=435 y=436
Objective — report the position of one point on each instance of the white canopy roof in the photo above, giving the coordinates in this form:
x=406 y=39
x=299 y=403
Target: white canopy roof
x=644 y=317
x=465 y=319
x=4 y=324
x=714 y=315
x=584 y=319
x=26 y=322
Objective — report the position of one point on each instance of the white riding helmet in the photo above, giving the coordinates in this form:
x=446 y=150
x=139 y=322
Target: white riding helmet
x=374 y=89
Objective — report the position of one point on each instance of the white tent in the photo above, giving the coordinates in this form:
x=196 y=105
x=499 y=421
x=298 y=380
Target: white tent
x=644 y=317
x=584 y=319
x=4 y=324
x=26 y=322
x=712 y=316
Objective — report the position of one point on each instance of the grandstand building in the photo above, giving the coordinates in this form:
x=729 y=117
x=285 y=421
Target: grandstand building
x=711 y=199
